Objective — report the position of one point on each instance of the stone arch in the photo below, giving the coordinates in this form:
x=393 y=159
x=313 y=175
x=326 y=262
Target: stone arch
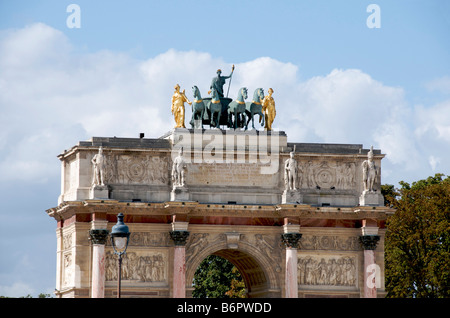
x=260 y=275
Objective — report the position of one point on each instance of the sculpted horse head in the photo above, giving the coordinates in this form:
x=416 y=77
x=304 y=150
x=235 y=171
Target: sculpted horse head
x=242 y=94
x=214 y=94
x=196 y=92
x=258 y=95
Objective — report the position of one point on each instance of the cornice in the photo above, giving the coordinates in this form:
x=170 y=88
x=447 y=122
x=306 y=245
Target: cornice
x=194 y=209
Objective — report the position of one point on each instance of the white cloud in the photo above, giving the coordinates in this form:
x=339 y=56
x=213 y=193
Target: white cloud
x=441 y=84
x=434 y=162
x=16 y=290
x=434 y=120
x=51 y=97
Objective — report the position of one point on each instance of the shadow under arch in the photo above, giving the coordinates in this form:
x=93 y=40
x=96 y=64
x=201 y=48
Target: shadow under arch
x=259 y=275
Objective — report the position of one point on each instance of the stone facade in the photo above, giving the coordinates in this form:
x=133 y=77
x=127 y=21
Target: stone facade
x=233 y=204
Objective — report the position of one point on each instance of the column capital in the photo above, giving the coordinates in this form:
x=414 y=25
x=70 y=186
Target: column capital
x=291 y=240
x=179 y=237
x=98 y=236
x=369 y=242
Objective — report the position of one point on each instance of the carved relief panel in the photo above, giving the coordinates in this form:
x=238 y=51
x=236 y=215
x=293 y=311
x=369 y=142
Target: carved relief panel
x=67 y=270
x=135 y=169
x=139 y=266
x=327 y=270
x=326 y=175
x=329 y=242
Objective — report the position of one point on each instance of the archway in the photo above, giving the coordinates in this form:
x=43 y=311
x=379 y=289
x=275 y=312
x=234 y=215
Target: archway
x=253 y=273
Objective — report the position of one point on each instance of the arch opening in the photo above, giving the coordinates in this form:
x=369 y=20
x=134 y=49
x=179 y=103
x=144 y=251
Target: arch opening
x=251 y=271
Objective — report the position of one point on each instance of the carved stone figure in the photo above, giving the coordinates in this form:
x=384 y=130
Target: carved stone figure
x=290 y=173
x=98 y=163
x=268 y=107
x=179 y=168
x=369 y=172
x=178 y=100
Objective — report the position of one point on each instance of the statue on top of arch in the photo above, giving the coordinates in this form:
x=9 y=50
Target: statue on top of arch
x=238 y=117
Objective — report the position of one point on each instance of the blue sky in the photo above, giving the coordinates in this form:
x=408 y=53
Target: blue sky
x=335 y=80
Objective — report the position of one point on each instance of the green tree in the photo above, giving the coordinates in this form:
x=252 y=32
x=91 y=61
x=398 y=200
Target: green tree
x=217 y=278
x=417 y=246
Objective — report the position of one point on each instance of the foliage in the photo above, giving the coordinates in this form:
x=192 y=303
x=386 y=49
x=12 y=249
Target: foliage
x=417 y=247
x=389 y=193
x=217 y=278
x=41 y=295
x=237 y=286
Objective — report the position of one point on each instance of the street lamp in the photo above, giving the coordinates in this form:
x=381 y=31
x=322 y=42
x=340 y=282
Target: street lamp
x=119 y=241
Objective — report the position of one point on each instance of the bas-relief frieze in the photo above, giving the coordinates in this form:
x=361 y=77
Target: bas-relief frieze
x=67 y=271
x=140 y=266
x=230 y=174
x=67 y=241
x=329 y=242
x=326 y=174
x=159 y=239
x=136 y=169
x=154 y=170
x=327 y=270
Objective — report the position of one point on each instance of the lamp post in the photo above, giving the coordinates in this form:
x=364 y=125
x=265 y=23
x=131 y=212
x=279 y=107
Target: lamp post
x=119 y=241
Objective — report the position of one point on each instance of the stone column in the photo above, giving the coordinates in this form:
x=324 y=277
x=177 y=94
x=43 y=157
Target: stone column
x=369 y=240
x=290 y=239
x=179 y=235
x=98 y=238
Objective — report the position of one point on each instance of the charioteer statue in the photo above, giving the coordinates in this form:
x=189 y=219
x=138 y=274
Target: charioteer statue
x=219 y=81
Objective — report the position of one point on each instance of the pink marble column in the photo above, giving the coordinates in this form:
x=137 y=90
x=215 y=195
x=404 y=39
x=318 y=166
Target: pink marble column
x=290 y=239
x=291 y=273
x=370 y=289
x=98 y=238
x=179 y=262
x=179 y=272
x=369 y=243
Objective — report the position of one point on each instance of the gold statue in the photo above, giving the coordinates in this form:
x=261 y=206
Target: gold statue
x=268 y=108
x=178 y=100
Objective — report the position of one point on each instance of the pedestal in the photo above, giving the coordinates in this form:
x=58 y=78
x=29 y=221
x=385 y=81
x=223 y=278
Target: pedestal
x=198 y=124
x=291 y=197
x=179 y=193
x=371 y=198
x=99 y=192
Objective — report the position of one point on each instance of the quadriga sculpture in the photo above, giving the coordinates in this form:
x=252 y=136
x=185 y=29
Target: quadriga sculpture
x=198 y=107
x=255 y=108
x=236 y=110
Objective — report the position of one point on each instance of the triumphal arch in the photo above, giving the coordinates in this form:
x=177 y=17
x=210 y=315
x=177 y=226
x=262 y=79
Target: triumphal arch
x=296 y=219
